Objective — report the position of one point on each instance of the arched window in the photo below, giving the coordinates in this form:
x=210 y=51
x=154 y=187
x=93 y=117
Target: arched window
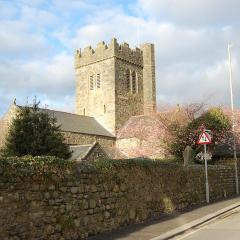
x=134 y=82
x=104 y=109
x=128 y=81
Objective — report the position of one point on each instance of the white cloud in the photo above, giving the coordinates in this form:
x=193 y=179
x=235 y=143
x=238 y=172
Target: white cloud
x=7 y=11
x=210 y=84
x=195 y=12
x=32 y=3
x=50 y=80
x=186 y=57
x=190 y=39
x=54 y=76
x=17 y=39
x=38 y=18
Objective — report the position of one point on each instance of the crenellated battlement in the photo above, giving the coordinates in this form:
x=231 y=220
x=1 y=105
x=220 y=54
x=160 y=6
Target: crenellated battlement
x=104 y=51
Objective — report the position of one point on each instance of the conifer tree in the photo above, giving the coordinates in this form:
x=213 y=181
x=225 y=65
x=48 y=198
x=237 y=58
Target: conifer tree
x=34 y=132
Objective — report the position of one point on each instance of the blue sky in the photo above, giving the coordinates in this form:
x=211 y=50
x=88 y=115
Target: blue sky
x=39 y=38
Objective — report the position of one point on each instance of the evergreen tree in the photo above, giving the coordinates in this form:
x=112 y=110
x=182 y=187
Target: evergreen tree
x=34 y=132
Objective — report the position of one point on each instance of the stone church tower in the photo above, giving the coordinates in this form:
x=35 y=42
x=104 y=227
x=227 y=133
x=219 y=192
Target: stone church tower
x=115 y=82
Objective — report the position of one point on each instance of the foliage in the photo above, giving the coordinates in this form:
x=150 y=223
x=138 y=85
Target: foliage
x=182 y=135
x=29 y=165
x=66 y=222
x=34 y=132
x=30 y=161
x=109 y=164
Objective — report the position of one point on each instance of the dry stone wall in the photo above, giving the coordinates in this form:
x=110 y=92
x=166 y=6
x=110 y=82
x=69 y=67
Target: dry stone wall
x=76 y=202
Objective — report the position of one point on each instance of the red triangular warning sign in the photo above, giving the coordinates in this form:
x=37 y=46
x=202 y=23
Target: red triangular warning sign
x=204 y=139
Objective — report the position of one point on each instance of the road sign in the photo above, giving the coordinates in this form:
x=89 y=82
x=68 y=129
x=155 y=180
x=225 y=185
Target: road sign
x=204 y=139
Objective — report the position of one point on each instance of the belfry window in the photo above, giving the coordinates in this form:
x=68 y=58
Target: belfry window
x=98 y=80
x=128 y=82
x=134 y=82
x=91 y=82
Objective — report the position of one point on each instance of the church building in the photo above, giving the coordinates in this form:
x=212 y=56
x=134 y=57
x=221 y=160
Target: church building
x=113 y=84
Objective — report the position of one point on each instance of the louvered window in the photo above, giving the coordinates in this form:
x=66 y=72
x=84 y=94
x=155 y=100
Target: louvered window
x=134 y=82
x=128 y=82
x=91 y=82
x=98 y=80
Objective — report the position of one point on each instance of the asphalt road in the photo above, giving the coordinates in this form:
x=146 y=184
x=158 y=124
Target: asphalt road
x=226 y=227
x=157 y=228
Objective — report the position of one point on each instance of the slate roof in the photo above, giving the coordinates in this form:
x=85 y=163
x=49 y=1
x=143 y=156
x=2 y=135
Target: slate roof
x=78 y=123
x=80 y=151
x=70 y=122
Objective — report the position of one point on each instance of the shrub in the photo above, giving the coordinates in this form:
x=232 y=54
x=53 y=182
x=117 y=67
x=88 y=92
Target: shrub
x=182 y=135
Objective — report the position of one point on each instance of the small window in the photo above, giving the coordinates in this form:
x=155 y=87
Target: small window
x=134 y=82
x=104 y=108
x=84 y=112
x=91 y=82
x=128 y=80
x=98 y=80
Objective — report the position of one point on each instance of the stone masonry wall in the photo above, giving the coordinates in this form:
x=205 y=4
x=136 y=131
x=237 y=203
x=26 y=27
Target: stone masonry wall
x=3 y=132
x=98 y=102
x=149 y=78
x=127 y=104
x=77 y=202
x=4 y=123
x=72 y=138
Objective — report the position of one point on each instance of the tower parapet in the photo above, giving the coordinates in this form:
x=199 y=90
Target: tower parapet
x=104 y=51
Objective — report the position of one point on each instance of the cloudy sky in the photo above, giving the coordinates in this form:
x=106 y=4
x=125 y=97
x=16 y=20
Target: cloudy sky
x=38 y=39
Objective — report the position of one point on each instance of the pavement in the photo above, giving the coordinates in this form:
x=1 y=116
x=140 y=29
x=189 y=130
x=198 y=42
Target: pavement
x=169 y=227
x=226 y=226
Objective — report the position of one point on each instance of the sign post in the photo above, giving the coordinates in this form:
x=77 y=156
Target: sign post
x=206 y=173
x=205 y=139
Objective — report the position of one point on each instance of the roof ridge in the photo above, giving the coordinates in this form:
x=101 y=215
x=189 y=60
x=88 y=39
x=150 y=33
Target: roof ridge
x=82 y=145
x=61 y=112
x=68 y=113
x=146 y=115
